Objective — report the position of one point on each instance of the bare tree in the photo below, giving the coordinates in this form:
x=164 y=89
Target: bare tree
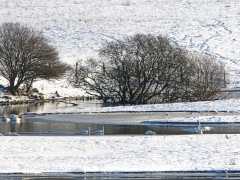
x=147 y=68
x=26 y=55
x=208 y=78
x=142 y=66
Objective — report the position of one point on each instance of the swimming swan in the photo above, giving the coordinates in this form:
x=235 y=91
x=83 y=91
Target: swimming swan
x=6 y=119
x=200 y=129
x=14 y=118
x=10 y=134
x=84 y=132
x=150 y=132
x=99 y=132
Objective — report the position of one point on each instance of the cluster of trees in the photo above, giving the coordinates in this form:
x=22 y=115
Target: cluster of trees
x=149 y=69
x=138 y=69
x=26 y=55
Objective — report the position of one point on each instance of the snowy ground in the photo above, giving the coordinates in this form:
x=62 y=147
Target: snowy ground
x=230 y=105
x=119 y=153
x=79 y=28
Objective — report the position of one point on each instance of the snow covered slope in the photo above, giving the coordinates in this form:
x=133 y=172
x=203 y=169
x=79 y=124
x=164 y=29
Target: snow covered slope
x=79 y=28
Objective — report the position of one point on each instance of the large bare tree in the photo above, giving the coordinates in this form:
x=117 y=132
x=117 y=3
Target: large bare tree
x=147 y=68
x=26 y=55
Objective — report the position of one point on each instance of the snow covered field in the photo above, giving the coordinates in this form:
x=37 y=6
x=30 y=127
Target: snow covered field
x=79 y=28
x=26 y=154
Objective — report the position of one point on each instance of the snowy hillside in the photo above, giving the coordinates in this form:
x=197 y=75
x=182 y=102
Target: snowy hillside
x=79 y=28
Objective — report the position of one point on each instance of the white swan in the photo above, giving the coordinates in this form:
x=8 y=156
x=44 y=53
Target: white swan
x=10 y=134
x=5 y=119
x=84 y=132
x=150 y=132
x=200 y=129
x=14 y=118
x=207 y=128
x=99 y=132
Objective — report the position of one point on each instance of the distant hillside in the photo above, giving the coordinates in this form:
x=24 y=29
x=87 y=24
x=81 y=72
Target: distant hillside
x=78 y=28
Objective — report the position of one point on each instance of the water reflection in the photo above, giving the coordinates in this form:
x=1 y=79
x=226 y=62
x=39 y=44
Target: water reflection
x=75 y=128
x=70 y=128
x=48 y=106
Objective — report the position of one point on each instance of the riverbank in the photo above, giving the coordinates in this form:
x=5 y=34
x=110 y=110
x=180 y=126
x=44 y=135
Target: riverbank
x=219 y=111
x=82 y=154
x=139 y=118
x=210 y=175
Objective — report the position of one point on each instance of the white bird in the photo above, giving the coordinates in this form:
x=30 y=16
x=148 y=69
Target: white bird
x=200 y=129
x=10 y=134
x=150 y=132
x=84 y=132
x=5 y=119
x=99 y=132
x=207 y=128
x=14 y=118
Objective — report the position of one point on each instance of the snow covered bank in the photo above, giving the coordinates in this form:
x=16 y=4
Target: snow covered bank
x=231 y=105
x=195 y=119
x=119 y=153
x=221 y=111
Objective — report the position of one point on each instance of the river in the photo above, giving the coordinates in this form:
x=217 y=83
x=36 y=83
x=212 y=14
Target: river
x=113 y=123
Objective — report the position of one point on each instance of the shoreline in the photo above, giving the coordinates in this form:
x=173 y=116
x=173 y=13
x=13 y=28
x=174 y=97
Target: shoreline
x=220 y=174
x=128 y=118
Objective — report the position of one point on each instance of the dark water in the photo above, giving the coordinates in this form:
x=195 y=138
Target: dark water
x=52 y=105
x=74 y=128
x=210 y=175
x=56 y=128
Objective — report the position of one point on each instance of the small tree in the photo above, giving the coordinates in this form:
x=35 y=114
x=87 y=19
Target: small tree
x=26 y=55
x=208 y=77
